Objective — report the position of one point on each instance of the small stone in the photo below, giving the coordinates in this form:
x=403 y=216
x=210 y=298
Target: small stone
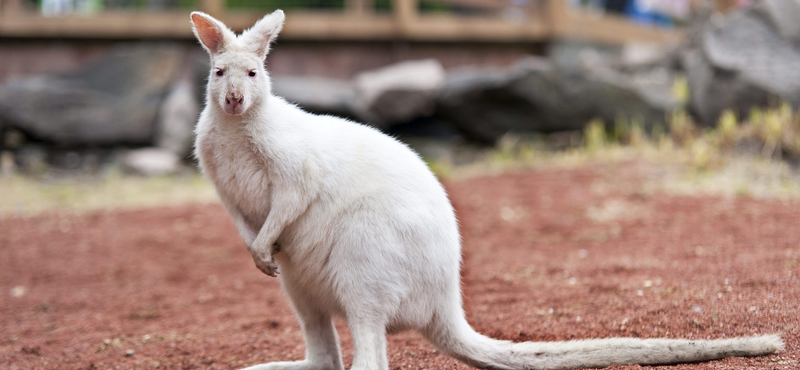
x=129 y=353
x=506 y=213
x=151 y=161
x=18 y=291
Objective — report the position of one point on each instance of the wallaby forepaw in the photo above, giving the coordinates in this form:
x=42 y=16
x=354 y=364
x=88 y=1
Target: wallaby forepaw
x=267 y=266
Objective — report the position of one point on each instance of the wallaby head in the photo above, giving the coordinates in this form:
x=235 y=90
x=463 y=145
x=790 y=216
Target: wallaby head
x=238 y=79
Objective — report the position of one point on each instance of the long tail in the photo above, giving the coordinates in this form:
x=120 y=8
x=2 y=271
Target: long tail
x=454 y=336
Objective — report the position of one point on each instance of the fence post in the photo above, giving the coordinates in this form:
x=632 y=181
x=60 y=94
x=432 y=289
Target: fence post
x=213 y=7
x=359 y=7
x=557 y=13
x=405 y=14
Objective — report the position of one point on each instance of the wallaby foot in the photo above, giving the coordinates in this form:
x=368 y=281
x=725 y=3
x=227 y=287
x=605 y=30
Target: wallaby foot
x=295 y=365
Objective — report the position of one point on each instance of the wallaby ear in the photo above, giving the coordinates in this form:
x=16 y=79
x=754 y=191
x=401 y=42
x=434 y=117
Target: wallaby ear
x=212 y=33
x=258 y=38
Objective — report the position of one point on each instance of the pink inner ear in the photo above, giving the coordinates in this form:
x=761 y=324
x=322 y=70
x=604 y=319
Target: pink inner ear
x=208 y=32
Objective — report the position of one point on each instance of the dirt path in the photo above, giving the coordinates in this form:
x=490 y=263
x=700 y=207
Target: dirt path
x=548 y=255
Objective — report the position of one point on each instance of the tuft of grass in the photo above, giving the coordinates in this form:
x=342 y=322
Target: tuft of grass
x=727 y=128
x=717 y=160
x=594 y=135
x=441 y=168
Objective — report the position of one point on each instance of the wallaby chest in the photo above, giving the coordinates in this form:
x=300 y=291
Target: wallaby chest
x=238 y=171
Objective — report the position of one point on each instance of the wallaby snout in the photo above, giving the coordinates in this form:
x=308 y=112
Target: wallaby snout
x=234 y=103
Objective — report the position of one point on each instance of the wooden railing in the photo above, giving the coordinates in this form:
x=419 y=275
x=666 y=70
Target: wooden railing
x=543 y=21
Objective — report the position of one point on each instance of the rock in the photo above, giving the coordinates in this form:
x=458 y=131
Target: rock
x=538 y=96
x=747 y=60
x=317 y=94
x=177 y=117
x=151 y=161
x=114 y=100
x=784 y=16
x=712 y=90
x=32 y=159
x=400 y=92
x=639 y=56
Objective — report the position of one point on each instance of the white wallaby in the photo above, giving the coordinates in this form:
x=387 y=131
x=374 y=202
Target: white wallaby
x=359 y=227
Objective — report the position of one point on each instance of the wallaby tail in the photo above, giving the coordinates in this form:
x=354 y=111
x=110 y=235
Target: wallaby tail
x=459 y=340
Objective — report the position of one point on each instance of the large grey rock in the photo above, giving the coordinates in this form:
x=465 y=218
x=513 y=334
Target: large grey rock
x=317 y=94
x=399 y=92
x=783 y=16
x=749 y=59
x=538 y=96
x=151 y=162
x=177 y=117
x=636 y=56
x=114 y=100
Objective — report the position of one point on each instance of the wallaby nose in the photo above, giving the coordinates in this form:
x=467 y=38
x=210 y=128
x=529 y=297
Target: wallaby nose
x=234 y=100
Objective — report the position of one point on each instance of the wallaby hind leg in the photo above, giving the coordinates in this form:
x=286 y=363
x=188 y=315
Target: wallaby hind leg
x=322 y=342
x=369 y=340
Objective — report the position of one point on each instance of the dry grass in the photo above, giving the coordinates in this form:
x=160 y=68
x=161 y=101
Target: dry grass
x=688 y=160
x=755 y=157
x=26 y=196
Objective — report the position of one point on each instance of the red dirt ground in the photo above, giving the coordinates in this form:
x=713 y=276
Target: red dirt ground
x=550 y=254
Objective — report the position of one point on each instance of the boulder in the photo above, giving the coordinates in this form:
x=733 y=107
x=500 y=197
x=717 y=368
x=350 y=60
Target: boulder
x=115 y=100
x=748 y=59
x=317 y=94
x=538 y=96
x=177 y=117
x=399 y=93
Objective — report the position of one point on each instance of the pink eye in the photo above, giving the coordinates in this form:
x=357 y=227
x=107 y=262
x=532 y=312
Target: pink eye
x=220 y=73
x=252 y=74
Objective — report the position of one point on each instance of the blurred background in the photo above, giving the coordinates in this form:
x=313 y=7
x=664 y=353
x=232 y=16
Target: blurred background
x=618 y=168
x=103 y=88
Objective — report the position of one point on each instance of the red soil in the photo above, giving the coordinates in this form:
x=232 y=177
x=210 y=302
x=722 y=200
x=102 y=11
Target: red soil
x=548 y=255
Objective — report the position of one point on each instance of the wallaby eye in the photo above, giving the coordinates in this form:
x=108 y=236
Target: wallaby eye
x=220 y=73
x=252 y=74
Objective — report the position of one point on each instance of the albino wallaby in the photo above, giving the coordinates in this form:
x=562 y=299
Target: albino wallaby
x=359 y=227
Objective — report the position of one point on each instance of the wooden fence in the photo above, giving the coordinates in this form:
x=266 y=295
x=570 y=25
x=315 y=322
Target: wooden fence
x=538 y=21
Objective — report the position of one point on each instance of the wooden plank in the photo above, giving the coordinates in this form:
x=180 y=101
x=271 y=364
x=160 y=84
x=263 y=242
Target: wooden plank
x=433 y=27
x=110 y=25
x=323 y=26
x=10 y=6
x=359 y=7
x=453 y=28
x=484 y=4
x=574 y=24
x=563 y=23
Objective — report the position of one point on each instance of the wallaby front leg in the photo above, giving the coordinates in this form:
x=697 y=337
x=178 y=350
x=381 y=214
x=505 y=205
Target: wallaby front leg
x=245 y=231
x=287 y=206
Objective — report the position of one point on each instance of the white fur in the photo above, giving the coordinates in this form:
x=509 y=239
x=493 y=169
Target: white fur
x=364 y=229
